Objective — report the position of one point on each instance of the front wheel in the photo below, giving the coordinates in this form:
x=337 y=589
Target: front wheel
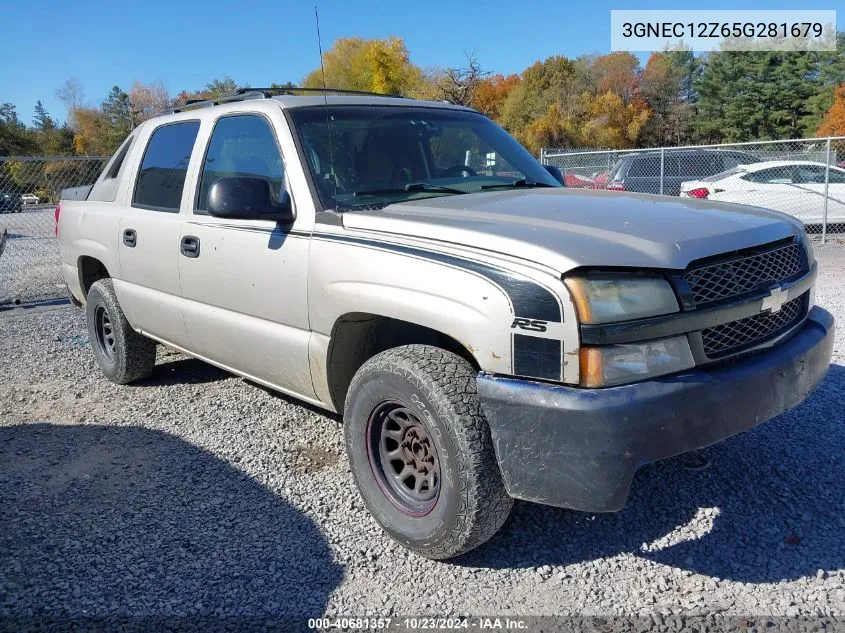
x=421 y=453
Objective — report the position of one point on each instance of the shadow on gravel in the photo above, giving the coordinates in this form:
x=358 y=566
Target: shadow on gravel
x=184 y=371
x=104 y=521
x=770 y=506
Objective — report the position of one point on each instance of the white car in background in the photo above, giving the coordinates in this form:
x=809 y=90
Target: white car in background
x=793 y=187
x=29 y=198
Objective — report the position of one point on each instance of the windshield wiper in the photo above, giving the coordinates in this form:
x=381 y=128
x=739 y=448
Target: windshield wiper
x=410 y=187
x=522 y=182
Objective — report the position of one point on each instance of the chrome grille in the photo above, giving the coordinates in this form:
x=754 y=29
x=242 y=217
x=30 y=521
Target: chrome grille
x=743 y=274
x=729 y=337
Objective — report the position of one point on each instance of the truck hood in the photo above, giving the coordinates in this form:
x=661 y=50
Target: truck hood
x=566 y=229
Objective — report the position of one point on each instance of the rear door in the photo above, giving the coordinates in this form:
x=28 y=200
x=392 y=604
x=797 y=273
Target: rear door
x=245 y=284
x=148 y=289
x=811 y=178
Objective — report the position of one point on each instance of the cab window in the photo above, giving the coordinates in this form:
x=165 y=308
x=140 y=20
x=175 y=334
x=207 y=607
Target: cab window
x=241 y=146
x=161 y=178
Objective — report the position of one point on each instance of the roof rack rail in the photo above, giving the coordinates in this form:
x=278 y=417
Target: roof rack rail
x=193 y=104
x=245 y=94
x=284 y=90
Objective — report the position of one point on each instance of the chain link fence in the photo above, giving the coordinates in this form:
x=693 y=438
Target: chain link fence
x=804 y=178
x=30 y=187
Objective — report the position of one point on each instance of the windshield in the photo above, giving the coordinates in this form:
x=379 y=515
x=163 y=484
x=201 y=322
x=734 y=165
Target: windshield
x=385 y=154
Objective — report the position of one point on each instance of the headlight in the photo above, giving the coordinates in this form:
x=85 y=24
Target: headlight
x=807 y=241
x=616 y=364
x=604 y=299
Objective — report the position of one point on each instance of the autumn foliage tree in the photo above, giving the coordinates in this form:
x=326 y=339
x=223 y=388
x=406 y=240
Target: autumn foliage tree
x=492 y=92
x=592 y=101
x=379 y=65
x=833 y=123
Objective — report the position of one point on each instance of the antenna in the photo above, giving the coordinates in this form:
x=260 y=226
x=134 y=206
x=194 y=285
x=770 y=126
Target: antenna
x=325 y=94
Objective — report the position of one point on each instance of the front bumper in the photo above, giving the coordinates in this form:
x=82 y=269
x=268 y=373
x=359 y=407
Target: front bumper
x=579 y=448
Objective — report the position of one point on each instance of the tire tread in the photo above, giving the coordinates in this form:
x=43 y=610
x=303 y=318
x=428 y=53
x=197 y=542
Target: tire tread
x=449 y=383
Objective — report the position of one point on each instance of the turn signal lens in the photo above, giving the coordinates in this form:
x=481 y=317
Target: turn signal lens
x=618 y=364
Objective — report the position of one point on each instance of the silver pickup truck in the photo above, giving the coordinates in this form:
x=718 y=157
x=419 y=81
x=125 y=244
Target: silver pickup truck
x=486 y=333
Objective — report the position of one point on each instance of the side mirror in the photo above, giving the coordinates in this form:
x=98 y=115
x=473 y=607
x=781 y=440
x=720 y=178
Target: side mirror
x=556 y=173
x=243 y=198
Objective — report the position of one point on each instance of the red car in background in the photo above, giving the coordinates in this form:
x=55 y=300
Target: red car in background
x=578 y=181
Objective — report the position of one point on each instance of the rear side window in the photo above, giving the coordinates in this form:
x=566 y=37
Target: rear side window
x=105 y=189
x=732 y=159
x=119 y=156
x=245 y=146
x=771 y=176
x=649 y=166
x=161 y=178
x=837 y=177
x=699 y=164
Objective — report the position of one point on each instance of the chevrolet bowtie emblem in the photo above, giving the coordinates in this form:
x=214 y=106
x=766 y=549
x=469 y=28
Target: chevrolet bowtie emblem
x=774 y=302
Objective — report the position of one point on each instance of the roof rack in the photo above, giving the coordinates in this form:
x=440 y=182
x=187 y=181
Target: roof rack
x=245 y=94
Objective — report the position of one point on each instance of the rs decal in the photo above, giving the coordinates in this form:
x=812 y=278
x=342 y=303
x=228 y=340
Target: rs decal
x=532 y=325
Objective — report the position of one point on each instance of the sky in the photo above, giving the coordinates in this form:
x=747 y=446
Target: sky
x=187 y=43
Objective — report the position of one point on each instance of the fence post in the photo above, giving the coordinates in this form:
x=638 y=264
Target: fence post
x=542 y=155
x=662 y=157
x=826 y=185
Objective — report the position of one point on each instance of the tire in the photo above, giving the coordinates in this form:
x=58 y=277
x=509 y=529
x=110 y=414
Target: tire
x=123 y=355
x=430 y=396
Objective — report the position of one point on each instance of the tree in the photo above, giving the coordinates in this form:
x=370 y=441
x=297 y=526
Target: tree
x=217 y=88
x=553 y=129
x=833 y=123
x=491 y=93
x=382 y=66
x=52 y=139
x=92 y=132
x=610 y=122
x=71 y=93
x=14 y=138
x=543 y=84
x=214 y=89
x=148 y=100
x=617 y=73
x=758 y=95
x=665 y=88
x=458 y=85
x=42 y=121
x=117 y=111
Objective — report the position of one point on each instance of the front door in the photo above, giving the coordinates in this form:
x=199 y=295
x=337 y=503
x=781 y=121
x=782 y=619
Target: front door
x=244 y=281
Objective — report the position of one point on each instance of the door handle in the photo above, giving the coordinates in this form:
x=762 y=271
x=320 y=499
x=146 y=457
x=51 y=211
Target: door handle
x=190 y=246
x=130 y=238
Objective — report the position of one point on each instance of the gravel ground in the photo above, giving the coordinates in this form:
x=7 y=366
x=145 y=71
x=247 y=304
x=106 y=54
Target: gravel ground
x=196 y=492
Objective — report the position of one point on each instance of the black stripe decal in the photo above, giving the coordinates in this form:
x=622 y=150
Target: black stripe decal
x=254 y=229
x=536 y=357
x=529 y=299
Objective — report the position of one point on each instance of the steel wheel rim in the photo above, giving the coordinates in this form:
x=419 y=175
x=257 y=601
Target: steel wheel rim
x=105 y=333
x=403 y=458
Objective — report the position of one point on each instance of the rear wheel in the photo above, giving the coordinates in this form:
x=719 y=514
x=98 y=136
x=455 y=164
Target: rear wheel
x=122 y=354
x=421 y=453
